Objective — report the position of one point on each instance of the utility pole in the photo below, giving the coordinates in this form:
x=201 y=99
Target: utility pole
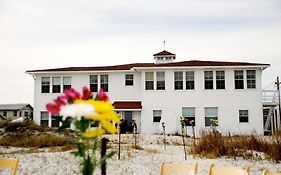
x=279 y=105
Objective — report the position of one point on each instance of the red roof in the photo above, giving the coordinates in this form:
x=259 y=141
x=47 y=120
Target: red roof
x=164 y=52
x=127 y=104
x=192 y=63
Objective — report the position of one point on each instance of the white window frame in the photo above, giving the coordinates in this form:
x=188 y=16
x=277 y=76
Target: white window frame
x=178 y=78
x=149 y=77
x=157 y=115
x=251 y=79
x=129 y=79
x=160 y=80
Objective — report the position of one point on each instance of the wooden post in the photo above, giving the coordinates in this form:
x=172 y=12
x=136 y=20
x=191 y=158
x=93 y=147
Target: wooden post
x=103 y=153
x=164 y=133
x=183 y=141
x=279 y=106
x=119 y=143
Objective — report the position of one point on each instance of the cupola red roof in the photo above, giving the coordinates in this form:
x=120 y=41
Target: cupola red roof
x=164 y=52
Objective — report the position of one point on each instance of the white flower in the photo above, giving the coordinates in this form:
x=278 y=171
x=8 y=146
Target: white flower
x=77 y=110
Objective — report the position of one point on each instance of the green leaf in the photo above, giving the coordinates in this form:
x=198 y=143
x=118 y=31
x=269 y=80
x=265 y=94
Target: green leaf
x=88 y=167
x=82 y=125
x=81 y=149
x=103 y=159
x=65 y=124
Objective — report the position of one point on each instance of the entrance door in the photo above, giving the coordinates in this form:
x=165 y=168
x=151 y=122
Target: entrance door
x=128 y=116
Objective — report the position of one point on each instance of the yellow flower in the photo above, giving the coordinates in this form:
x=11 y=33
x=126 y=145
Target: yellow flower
x=108 y=127
x=93 y=133
x=105 y=114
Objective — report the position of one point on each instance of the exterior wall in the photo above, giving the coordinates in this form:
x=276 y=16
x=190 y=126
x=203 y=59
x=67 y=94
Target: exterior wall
x=229 y=100
x=117 y=89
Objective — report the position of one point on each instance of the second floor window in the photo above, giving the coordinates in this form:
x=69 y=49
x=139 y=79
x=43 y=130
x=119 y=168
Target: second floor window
x=129 y=79
x=66 y=83
x=149 y=81
x=251 y=79
x=189 y=76
x=56 y=84
x=220 y=80
x=104 y=82
x=178 y=77
x=45 y=85
x=160 y=77
x=239 y=79
x=94 y=83
x=208 y=77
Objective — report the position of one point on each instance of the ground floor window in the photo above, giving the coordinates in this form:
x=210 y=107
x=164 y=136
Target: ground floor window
x=243 y=116
x=189 y=115
x=157 y=115
x=55 y=122
x=211 y=116
x=44 y=118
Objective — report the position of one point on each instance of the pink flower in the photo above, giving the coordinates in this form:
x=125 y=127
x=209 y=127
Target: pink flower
x=71 y=94
x=53 y=108
x=60 y=101
x=87 y=94
x=102 y=95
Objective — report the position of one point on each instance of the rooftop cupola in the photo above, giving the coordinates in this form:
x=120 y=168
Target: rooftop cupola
x=164 y=57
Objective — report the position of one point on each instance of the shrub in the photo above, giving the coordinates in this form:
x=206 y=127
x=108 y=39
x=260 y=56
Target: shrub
x=40 y=141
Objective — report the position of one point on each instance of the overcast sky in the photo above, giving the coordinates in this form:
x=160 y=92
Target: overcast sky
x=39 y=34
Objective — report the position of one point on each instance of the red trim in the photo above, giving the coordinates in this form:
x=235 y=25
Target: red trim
x=127 y=105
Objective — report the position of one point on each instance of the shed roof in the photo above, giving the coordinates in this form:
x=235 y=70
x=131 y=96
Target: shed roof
x=14 y=106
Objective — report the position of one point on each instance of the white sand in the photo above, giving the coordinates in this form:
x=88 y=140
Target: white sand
x=133 y=162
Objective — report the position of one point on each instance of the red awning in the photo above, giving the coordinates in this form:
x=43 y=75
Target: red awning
x=127 y=104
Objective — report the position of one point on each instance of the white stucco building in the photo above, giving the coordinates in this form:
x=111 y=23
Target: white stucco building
x=165 y=90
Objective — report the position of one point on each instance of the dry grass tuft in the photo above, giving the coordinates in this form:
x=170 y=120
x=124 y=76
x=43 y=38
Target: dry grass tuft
x=212 y=144
x=153 y=151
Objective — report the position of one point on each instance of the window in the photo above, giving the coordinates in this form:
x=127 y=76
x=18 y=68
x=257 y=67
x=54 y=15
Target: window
x=189 y=78
x=178 y=76
x=26 y=114
x=45 y=85
x=243 y=116
x=4 y=113
x=104 y=82
x=160 y=78
x=44 y=121
x=15 y=113
x=189 y=114
x=129 y=80
x=220 y=80
x=94 y=83
x=55 y=121
x=251 y=79
x=239 y=79
x=149 y=79
x=66 y=83
x=156 y=115
x=211 y=113
x=208 y=76
x=56 y=84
